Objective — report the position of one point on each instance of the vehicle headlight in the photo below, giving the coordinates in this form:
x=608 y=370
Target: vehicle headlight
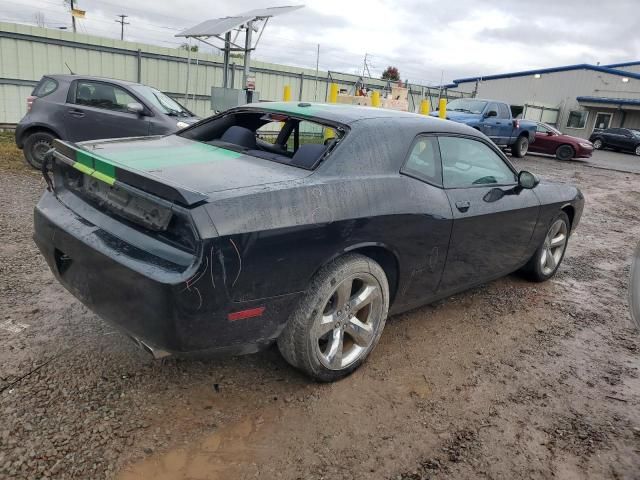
x=182 y=125
x=586 y=145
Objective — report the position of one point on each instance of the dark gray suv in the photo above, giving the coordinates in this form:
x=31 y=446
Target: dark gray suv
x=77 y=108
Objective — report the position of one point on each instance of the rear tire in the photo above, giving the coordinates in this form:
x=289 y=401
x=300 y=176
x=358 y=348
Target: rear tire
x=545 y=261
x=598 y=144
x=339 y=319
x=521 y=147
x=565 y=152
x=637 y=150
x=36 y=145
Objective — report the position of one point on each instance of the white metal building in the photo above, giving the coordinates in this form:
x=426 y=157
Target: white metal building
x=575 y=98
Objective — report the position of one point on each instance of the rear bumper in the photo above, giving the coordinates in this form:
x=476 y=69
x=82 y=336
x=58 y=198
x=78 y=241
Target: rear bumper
x=169 y=309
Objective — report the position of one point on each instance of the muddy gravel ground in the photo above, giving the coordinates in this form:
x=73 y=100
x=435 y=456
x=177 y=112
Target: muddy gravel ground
x=510 y=380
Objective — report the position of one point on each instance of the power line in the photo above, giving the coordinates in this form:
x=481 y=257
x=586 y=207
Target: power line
x=122 y=24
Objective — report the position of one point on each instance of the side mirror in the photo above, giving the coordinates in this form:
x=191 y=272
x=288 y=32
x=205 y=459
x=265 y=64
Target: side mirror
x=527 y=180
x=491 y=113
x=549 y=133
x=135 y=107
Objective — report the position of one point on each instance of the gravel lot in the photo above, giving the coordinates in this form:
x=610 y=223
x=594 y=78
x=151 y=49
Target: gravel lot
x=510 y=380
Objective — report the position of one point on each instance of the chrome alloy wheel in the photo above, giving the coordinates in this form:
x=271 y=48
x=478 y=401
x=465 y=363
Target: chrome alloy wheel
x=349 y=323
x=554 y=245
x=597 y=144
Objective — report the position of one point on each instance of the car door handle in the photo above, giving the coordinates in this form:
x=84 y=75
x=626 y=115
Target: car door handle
x=463 y=206
x=74 y=112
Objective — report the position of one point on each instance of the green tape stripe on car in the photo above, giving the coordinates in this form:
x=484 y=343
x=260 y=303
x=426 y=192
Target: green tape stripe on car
x=95 y=167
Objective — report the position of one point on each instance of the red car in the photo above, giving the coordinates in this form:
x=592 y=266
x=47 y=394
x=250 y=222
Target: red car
x=564 y=147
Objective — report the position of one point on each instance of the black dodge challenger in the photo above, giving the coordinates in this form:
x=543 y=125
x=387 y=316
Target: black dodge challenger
x=296 y=223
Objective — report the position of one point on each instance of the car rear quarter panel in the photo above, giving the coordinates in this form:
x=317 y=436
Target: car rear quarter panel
x=357 y=198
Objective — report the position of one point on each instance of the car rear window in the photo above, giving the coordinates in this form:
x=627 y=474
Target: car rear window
x=45 y=87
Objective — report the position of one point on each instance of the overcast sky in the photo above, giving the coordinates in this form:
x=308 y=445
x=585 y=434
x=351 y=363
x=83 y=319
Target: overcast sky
x=426 y=39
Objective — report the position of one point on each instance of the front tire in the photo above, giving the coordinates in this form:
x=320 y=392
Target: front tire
x=545 y=261
x=637 y=150
x=339 y=320
x=521 y=147
x=565 y=152
x=36 y=145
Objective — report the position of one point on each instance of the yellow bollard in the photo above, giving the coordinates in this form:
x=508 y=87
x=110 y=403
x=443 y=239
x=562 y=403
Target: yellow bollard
x=375 y=99
x=286 y=94
x=333 y=93
x=442 y=108
x=424 y=107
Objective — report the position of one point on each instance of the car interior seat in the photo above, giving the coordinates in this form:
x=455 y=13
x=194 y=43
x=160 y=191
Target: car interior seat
x=240 y=136
x=308 y=154
x=84 y=95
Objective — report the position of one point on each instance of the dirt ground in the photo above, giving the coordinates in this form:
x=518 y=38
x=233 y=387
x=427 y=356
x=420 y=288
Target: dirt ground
x=510 y=380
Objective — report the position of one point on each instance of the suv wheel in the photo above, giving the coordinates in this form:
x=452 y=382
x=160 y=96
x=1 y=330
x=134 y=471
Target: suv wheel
x=339 y=320
x=36 y=146
x=521 y=147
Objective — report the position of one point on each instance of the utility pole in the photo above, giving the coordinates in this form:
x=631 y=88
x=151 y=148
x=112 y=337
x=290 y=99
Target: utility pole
x=122 y=24
x=73 y=19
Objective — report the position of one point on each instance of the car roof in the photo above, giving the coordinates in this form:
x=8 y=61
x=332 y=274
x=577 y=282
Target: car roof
x=341 y=113
x=70 y=78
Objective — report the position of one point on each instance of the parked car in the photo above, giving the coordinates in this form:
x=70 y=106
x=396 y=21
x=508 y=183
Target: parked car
x=564 y=147
x=621 y=139
x=213 y=239
x=78 y=108
x=493 y=118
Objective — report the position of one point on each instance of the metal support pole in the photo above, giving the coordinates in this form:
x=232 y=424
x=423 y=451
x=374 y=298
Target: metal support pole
x=186 y=89
x=301 y=83
x=225 y=68
x=247 y=60
x=139 y=66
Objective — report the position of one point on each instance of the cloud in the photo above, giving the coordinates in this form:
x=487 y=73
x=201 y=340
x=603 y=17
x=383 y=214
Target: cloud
x=428 y=40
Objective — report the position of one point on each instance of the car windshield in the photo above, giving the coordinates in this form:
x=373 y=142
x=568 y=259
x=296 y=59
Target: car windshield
x=549 y=127
x=635 y=133
x=466 y=105
x=163 y=102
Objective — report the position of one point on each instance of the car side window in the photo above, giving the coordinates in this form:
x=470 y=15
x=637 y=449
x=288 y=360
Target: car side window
x=424 y=161
x=492 y=107
x=503 y=111
x=102 y=95
x=467 y=162
x=45 y=87
x=541 y=129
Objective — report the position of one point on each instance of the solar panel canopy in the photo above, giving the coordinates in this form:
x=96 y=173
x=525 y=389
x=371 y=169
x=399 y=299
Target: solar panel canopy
x=216 y=26
x=220 y=26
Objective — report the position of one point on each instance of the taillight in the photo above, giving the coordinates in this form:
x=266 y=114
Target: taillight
x=516 y=123
x=30 y=100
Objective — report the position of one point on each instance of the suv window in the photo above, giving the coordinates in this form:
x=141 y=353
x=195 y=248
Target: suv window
x=467 y=162
x=45 y=87
x=503 y=111
x=424 y=161
x=102 y=95
x=494 y=107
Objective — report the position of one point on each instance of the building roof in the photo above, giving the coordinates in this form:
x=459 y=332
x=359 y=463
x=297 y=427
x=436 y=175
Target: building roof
x=581 y=66
x=615 y=101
